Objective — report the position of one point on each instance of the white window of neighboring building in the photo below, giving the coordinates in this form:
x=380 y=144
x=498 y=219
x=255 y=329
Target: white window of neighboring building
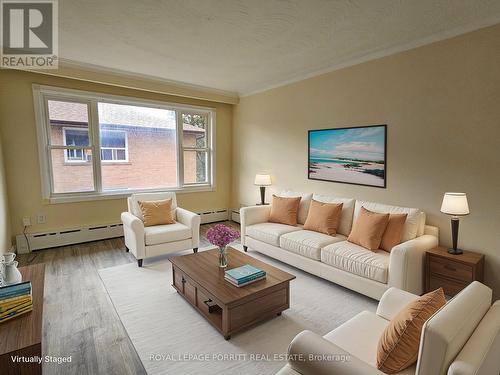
x=76 y=137
x=114 y=146
x=93 y=146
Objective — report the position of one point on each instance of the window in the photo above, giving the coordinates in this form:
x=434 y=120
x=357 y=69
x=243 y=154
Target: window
x=114 y=146
x=93 y=146
x=75 y=137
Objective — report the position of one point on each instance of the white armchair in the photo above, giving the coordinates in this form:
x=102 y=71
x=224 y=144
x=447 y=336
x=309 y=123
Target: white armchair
x=146 y=242
x=463 y=337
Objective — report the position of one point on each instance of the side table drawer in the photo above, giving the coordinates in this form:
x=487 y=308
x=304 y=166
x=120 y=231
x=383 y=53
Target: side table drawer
x=454 y=270
x=450 y=287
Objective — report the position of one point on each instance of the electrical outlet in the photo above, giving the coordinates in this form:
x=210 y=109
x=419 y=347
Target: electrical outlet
x=41 y=218
x=27 y=221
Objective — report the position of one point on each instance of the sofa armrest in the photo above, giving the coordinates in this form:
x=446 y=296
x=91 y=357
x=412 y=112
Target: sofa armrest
x=252 y=215
x=133 y=231
x=480 y=353
x=191 y=220
x=311 y=354
x=406 y=264
x=392 y=301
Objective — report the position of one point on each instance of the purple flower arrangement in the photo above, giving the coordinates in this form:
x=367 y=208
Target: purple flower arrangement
x=221 y=236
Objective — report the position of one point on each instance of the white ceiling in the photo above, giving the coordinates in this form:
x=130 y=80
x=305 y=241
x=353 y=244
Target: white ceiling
x=244 y=46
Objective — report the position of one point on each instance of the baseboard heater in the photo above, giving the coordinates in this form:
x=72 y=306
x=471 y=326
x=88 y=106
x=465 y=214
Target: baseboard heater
x=64 y=237
x=214 y=216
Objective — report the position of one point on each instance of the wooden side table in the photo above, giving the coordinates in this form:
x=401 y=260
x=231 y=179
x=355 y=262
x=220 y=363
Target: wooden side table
x=452 y=272
x=22 y=336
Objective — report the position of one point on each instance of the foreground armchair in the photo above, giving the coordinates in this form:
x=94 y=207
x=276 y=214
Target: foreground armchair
x=146 y=242
x=462 y=338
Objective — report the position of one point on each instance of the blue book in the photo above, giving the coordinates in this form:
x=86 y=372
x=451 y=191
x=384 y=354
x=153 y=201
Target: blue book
x=15 y=290
x=15 y=294
x=247 y=279
x=245 y=273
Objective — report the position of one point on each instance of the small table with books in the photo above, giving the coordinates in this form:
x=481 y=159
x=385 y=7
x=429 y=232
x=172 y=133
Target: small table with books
x=21 y=334
x=230 y=308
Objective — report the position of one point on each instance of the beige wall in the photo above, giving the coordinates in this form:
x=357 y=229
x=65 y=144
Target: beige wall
x=17 y=126
x=442 y=106
x=5 y=240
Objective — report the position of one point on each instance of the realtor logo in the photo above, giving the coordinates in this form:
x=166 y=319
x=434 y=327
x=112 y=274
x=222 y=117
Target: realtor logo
x=29 y=34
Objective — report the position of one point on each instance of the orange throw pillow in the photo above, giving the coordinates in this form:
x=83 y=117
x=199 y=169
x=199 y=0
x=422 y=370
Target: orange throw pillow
x=398 y=347
x=156 y=212
x=323 y=217
x=368 y=229
x=394 y=231
x=284 y=210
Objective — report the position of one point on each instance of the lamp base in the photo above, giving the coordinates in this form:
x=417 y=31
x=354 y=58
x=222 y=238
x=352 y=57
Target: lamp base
x=455 y=251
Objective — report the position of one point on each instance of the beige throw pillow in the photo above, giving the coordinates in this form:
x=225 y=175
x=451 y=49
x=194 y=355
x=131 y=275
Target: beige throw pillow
x=323 y=217
x=284 y=210
x=394 y=231
x=368 y=229
x=398 y=347
x=156 y=212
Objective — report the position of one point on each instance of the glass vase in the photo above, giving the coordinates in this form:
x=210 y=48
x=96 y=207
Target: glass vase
x=222 y=257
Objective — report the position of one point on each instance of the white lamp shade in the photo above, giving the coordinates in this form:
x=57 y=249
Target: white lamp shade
x=262 y=180
x=455 y=204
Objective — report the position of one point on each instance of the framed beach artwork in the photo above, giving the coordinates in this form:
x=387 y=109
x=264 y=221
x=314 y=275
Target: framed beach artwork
x=355 y=155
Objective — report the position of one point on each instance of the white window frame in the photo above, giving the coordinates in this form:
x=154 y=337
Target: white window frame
x=41 y=95
x=112 y=161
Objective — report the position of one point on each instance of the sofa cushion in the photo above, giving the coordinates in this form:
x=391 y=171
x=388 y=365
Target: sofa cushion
x=355 y=259
x=368 y=229
x=308 y=243
x=133 y=202
x=413 y=221
x=305 y=201
x=345 y=223
x=156 y=212
x=284 y=210
x=166 y=233
x=269 y=232
x=393 y=232
x=323 y=217
x=359 y=336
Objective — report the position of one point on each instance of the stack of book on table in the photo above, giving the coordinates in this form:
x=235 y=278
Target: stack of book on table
x=244 y=275
x=15 y=300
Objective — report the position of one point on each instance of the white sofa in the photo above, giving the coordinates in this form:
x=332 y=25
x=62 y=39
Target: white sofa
x=146 y=242
x=462 y=338
x=335 y=259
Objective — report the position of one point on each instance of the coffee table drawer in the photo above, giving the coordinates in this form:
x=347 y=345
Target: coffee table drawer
x=202 y=300
x=253 y=310
x=178 y=279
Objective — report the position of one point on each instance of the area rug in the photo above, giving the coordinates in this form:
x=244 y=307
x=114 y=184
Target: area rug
x=171 y=337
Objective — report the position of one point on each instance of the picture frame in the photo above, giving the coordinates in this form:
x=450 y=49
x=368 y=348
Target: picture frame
x=354 y=155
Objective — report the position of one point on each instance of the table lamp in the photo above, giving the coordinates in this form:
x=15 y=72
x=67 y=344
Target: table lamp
x=455 y=204
x=262 y=180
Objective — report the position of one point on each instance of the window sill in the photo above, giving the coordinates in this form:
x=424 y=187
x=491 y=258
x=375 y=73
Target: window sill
x=85 y=197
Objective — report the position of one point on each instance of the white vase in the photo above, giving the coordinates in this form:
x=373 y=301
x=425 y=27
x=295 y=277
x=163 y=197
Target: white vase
x=11 y=273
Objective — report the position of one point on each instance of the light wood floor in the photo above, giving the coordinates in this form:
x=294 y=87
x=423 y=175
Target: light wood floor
x=79 y=318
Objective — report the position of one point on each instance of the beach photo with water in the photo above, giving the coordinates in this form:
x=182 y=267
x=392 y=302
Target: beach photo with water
x=351 y=155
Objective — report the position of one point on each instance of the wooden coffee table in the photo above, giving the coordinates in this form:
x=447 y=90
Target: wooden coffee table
x=198 y=278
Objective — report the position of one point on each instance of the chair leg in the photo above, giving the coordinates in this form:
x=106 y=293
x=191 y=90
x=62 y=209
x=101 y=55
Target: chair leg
x=195 y=250
x=127 y=249
x=139 y=262
x=245 y=248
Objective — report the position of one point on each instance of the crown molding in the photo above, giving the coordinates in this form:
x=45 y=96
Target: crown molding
x=377 y=54
x=116 y=77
